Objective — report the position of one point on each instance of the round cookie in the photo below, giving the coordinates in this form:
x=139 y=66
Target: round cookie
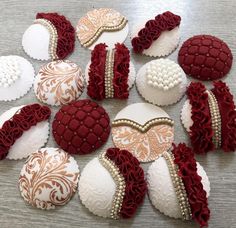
x=16 y=77
x=102 y=25
x=49 y=178
x=59 y=82
x=146 y=135
x=161 y=82
x=106 y=187
x=81 y=127
x=205 y=57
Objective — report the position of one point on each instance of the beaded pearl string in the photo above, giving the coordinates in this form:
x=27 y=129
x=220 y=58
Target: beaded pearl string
x=53 y=36
x=179 y=187
x=143 y=128
x=105 y=29
x=109 y=74
x=120 y=184
x=215 y=119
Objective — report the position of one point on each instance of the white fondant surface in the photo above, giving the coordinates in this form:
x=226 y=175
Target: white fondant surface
x=97 y=188
x=35 y=42
x=185 y=115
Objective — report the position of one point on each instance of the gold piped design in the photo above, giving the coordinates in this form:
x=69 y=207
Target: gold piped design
x=179 y=187
x=53 y=37
x=215 y=119
x=146 y=126
x=109 y=74
x=120 y=184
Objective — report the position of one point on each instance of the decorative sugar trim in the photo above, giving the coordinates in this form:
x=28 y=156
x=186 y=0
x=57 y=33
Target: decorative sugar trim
x=120 y=184
x=179 y=187
x=215 y=119
x=146 y=126
x=53 y=36
x=109 y=74
x=105 y=29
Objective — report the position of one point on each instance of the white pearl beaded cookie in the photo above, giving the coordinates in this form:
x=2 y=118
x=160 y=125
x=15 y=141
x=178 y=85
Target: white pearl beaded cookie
x=9 y=70
x=161 y=82
x=16 y=77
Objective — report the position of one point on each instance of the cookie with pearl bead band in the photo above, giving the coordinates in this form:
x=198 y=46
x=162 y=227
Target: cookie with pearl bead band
x=161 y=82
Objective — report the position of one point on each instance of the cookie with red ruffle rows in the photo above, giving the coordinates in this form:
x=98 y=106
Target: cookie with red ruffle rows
x=178 y=186
x=81 y=127
x=209 y=116
x=51 y=36
x=205 y=57
x=157 y=37
x=110 y=73
x=113 y=185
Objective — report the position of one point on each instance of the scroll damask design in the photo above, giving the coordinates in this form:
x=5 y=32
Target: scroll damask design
x=144 y=146
x=47 y=179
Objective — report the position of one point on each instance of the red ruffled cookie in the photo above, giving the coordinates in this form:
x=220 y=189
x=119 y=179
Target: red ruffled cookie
x=110 y=74
x=81 y=127
x=210 y=117
x=205 y=57
x=113 y=185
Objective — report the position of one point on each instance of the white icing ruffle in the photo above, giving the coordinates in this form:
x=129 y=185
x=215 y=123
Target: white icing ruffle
x=185 y=115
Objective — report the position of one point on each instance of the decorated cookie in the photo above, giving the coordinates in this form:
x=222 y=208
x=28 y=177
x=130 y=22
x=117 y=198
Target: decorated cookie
x=16 y=77
x=209 y=117
x=23 y=130
x=178 y=186
x=81 y=127
x=157 y=37
x=49 y=178
x=59 y=82
x=205 y=57
x=109 y=74
x=102 y=26
x=161 y=82
x=113 y=185
x=50 y=37
x=143 y=129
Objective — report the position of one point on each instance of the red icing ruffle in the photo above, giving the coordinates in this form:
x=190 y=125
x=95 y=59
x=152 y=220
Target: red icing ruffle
x=228 y=116
x=197 y=196
x=23 y=120
x=96 y=87
x=96 y=83
x=153 y=29
x=121 y=71
x=201 y=132
x=133 y=174
x=65 y=32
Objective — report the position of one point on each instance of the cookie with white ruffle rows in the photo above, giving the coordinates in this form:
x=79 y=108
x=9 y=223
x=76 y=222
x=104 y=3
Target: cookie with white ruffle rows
x=161 y=82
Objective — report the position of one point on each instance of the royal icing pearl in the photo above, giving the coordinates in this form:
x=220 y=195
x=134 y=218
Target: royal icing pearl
x=9 y=70
x=163 y=74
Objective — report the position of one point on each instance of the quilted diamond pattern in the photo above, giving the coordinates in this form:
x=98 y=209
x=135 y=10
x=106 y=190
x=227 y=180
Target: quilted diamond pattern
x=81 y=127
x=205 y=57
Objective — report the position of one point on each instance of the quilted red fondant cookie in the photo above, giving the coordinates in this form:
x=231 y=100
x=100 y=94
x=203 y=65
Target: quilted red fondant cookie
x=205 y=57
x=81 y=127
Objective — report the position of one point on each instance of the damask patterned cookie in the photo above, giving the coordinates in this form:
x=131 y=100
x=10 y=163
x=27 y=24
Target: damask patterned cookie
x=178 y=186
x=102 y=26
x=49 y=178
x=161 y=82
x=205 y=57
x=144 y=130
x=50 y=37
x=81 y=127
x=113 y=185
x=23 y=130
x=16 y=77
x=59 y=82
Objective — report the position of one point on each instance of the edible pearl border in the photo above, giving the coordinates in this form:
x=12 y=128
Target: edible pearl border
x=143 y=128
x=109 y=74
x=105 y=29
x=215 y=119
x=120 y=184
x=179 y=186
x=53 y=36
